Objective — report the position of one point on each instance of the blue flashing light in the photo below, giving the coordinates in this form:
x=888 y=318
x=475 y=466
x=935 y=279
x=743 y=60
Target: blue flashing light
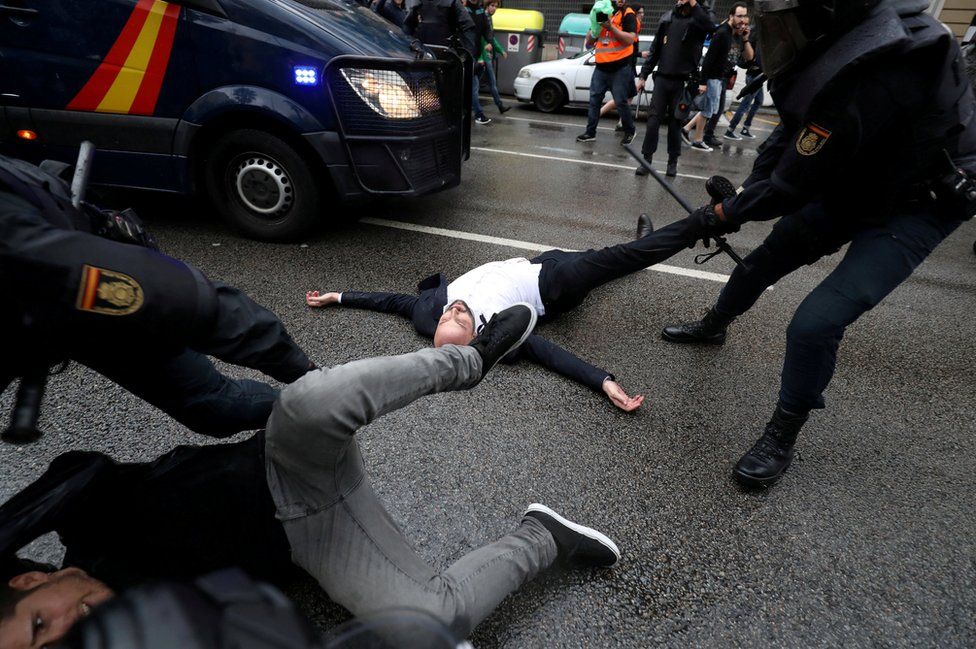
x=306 y=76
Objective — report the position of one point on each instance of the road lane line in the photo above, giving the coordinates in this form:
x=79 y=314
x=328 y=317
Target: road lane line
x=612 y=165
x=728 y=116
x=527 y=245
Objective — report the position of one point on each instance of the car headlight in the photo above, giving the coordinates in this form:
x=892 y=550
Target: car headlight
x=384 y=91
x=524 y=73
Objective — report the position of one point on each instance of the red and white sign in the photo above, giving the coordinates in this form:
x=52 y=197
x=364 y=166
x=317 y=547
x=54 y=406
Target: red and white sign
x=530 y=43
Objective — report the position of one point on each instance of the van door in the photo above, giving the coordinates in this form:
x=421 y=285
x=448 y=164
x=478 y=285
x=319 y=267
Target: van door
x=116 y=72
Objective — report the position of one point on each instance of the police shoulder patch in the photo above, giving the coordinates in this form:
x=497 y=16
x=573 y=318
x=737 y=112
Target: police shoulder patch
x=108 y=292
x=811 y=139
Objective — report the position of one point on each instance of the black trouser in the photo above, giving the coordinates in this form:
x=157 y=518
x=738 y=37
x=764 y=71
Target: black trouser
x=664 y=101
x=877 y=261
x=566 y=278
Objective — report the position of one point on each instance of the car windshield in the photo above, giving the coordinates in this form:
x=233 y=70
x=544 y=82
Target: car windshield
x=581 y=54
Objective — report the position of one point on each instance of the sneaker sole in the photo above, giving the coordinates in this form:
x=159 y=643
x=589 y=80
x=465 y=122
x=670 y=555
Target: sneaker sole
x=588 y=532
x=526 y=334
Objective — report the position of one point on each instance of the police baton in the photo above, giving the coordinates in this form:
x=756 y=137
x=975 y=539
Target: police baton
x=79 y=182
x=720 y=242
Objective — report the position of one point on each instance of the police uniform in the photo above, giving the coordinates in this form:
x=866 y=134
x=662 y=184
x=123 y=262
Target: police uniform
x=441 y=22
x=131 y=313
x=867 y=131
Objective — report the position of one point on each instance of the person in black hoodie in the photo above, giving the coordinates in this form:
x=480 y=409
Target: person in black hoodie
x=675 y=53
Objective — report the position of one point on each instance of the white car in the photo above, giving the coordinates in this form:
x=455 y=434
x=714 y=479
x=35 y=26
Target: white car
x=550 y=85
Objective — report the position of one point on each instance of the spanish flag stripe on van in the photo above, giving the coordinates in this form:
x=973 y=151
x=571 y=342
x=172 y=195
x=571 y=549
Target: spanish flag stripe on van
x=145 y=101
x=130 y=77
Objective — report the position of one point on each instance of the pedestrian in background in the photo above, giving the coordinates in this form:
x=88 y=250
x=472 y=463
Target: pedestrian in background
x=441 y=22
x=717 y=68
x=482 y=35
x=610 y=105
x=490 y=48
x=613 y=73
x=751 y=102
x=675 y=53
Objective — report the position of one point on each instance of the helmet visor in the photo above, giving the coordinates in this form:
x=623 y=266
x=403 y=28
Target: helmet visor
x=781 y=34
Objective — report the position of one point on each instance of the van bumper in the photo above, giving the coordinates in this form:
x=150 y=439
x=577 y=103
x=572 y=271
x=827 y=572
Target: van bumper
x=371 y=153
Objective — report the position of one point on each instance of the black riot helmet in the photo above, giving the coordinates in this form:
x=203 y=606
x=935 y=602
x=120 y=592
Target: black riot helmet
x=790 y=31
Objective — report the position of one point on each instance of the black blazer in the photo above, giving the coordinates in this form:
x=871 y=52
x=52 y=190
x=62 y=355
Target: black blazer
x=427 y=307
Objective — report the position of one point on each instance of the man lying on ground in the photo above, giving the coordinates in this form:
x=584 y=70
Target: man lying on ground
x=295 y=494
x=554 y=282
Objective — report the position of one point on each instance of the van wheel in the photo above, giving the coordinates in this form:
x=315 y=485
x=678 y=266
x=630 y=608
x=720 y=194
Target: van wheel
x=261 y=185
x=549 y=96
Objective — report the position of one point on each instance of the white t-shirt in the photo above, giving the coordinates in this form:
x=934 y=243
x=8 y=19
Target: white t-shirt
x=496 y=286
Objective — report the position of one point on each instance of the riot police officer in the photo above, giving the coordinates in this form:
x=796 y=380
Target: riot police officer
x=876 y=148
x=442 y=22
x=141 y=318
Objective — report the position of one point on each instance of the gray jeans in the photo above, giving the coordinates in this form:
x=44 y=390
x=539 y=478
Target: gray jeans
x=339 y=531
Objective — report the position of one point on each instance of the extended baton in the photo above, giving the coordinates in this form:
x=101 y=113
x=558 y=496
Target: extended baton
x=79 y=183
x=720 y=242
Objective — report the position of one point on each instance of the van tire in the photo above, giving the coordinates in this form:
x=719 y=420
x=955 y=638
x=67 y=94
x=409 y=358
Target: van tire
x=262 y=186
x=549 y=95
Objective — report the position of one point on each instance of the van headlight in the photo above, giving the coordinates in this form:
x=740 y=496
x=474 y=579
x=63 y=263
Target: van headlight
x=384 y=91
x=524 y=73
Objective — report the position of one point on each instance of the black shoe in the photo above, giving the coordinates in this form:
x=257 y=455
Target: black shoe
x=644 y=226
x=506 y=330
x=628 y=138
x=482 y=119
x=504 y=109
x=641 y=171
x=700 y=146
x=672 y=169
x=686 y=137
x=576 y=544
x=730 y=135
x=585 y=137
x=713 y=142
x=771 y=455
x=710 y=330
x=747 y=133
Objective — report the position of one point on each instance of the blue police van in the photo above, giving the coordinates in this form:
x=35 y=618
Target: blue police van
x=272 y=109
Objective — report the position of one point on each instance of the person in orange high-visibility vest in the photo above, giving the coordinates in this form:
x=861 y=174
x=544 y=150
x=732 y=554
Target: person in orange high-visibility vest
x=614 y=48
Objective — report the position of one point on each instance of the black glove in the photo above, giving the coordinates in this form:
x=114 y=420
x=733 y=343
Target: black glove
x=719 y=188
x=706 y=225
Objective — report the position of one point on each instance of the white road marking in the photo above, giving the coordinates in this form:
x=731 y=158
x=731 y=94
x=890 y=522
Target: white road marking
x=528 y=245
x=612 y=165
x=728 y=116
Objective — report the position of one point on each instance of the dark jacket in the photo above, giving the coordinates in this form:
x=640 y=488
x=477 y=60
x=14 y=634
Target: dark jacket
x=678 y=43
x=193 y=510
x=441 y=22
x=426 y=308
x=389 y=10
x=719 y=62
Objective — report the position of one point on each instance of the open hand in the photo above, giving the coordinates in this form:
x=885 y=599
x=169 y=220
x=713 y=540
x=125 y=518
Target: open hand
x=313 y=298
x=620 y=399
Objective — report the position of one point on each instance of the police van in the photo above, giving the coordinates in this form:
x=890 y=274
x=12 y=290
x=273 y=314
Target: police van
x=272 y=109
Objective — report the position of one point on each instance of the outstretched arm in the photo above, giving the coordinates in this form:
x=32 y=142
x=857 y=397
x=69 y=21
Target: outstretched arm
x=397 y=303
x=557 y=359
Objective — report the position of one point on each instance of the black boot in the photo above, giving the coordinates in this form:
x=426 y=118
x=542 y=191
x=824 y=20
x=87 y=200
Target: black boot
x=770 y=456
x=672 y=169
x=644 y=226
x=710 y=330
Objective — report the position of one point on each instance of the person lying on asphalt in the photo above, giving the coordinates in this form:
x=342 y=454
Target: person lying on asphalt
x=294 y=495
x=554 y=282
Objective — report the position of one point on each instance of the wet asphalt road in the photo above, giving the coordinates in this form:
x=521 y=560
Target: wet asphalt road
x=869 y=540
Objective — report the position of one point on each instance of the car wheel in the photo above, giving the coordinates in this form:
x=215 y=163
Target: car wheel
x=261 y=185
x=549 y=96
